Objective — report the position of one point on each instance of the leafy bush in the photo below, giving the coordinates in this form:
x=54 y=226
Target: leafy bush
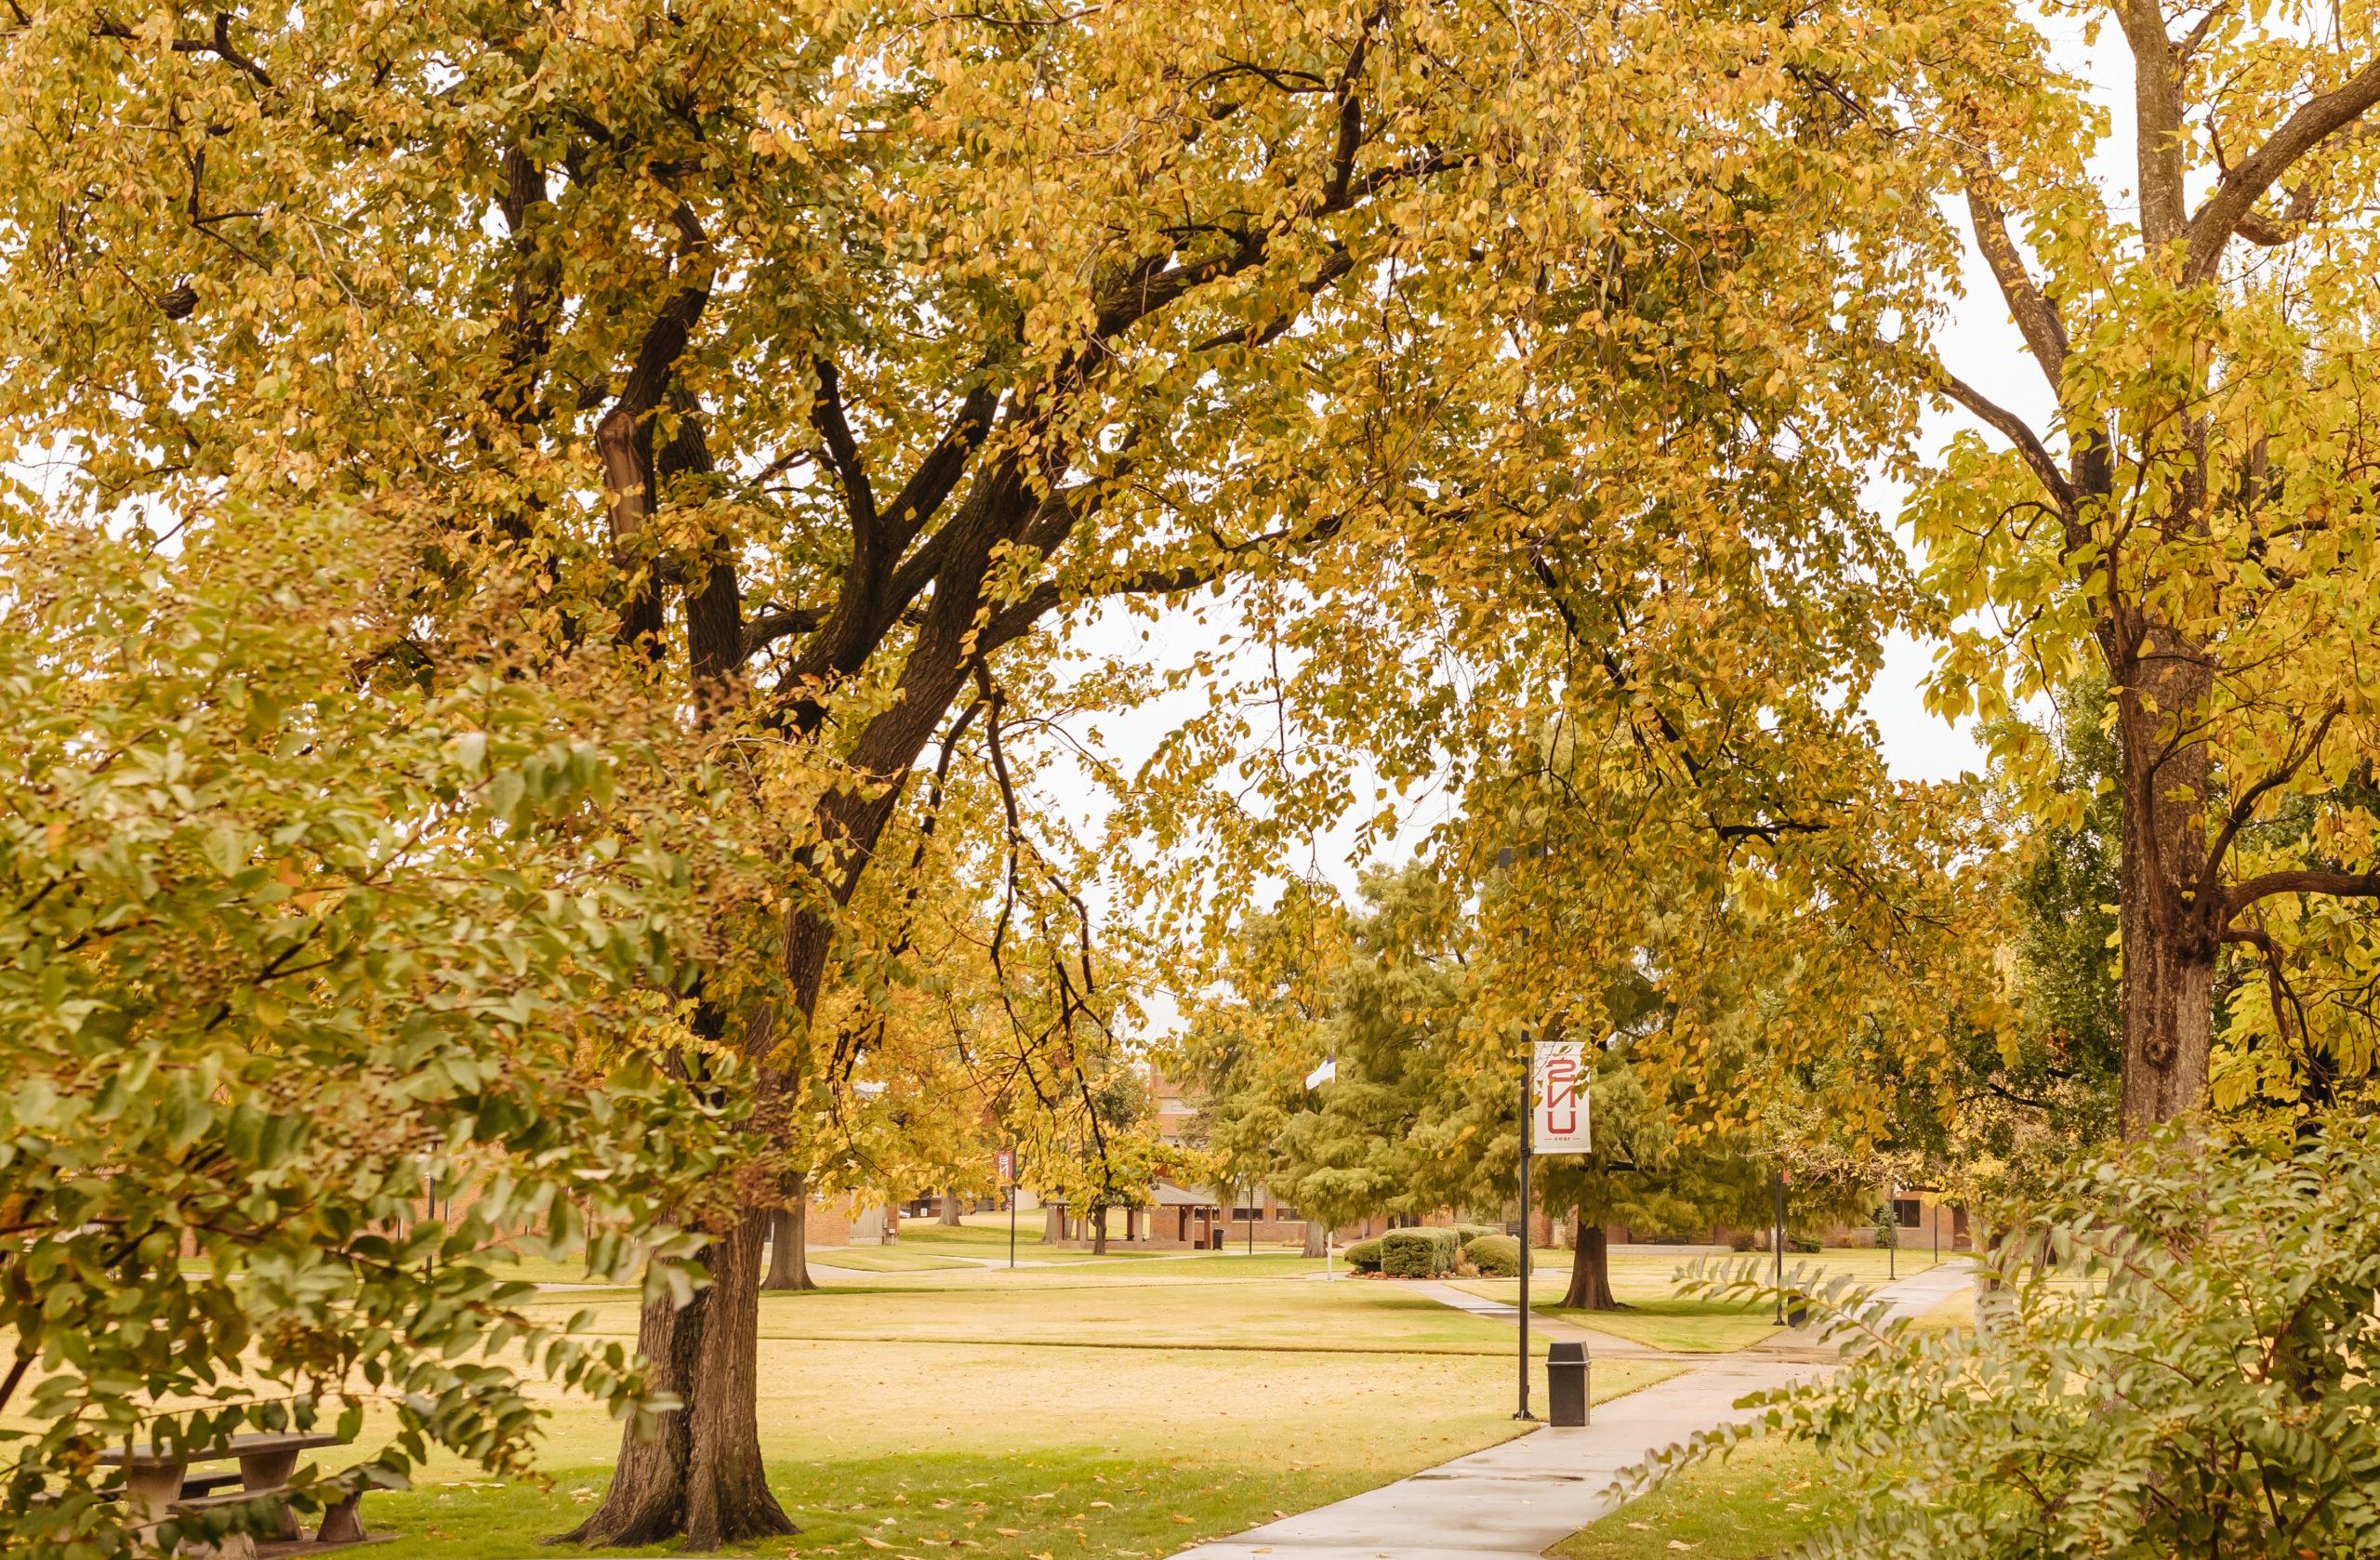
x=1746 y=1240
x=282 y=944
x=1806 y=1244
x=1465 y=1234
x=2195 y=1370
x=1418 y=1253
x=1364 y=1255
x=1495 y=1256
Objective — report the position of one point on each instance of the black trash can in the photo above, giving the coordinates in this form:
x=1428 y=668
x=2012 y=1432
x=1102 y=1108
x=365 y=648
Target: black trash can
x=1797 y=1309
x=1565 y=1383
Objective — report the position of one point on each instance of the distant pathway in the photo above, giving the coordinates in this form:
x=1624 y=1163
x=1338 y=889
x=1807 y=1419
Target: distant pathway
x=1519 y=1499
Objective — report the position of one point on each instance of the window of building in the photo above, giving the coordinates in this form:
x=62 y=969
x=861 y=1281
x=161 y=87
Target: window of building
x=1247 y=1214
x=1906 y=1212
x=1283 y=1210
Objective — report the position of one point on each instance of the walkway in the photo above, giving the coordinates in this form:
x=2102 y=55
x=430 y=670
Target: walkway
x=1519 y=1499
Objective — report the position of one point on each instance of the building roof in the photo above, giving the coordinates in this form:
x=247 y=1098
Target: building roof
x=1170 y=1195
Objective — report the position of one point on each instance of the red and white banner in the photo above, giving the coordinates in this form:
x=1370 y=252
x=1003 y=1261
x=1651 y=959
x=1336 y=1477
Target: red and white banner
x=1557 y=1117
x=1005 y=1163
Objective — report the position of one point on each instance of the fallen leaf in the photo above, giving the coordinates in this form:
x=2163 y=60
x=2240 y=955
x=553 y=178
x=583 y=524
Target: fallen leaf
x=1185 y=1521
x=1101 y=1506
x=872 y=1541
x=1009 y=1532
x=1680 y=1544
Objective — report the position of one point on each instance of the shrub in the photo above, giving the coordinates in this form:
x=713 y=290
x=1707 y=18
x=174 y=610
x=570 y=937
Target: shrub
x=1746 y=1240
x=1465 y=1234
x=2195 y=1370
x=1364 y=1255
x=1418 y=1253
x=1804 y=1243
x=1495 y=1256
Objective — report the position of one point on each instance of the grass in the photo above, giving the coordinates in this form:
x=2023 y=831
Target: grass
x=1658 y=1316
x=1125 y=1410
x=1762 y=1502
x=883 y=1258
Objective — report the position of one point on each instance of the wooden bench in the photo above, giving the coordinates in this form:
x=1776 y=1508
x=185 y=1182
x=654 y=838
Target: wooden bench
x=158 y=1483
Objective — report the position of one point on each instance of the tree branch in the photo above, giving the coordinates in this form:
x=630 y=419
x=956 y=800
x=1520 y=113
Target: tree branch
x=2012 y=427
x=2036 y=316
x=2341 y=885
x=2235 y=197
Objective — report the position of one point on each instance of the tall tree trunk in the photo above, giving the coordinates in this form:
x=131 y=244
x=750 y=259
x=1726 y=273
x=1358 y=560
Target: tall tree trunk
x=727 y=1490
x=1099 y=1231
x=790 y=1242
x=1591 y=1272
x=2171 y=921
x=701 y=1476
x=1316 y=1232
x=647 y=1501
x=949 y=1209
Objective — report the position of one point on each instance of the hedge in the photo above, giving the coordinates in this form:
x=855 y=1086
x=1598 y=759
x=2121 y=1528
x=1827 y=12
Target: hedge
x=1418 y=1253
x=1495 y=1256
x=1466 y=1233
x=1364 y=1255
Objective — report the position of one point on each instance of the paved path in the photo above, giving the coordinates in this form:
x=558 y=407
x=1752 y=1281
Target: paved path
x=1521 y=1497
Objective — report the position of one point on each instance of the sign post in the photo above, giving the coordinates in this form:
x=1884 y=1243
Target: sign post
x=1004 y=1163
x=1555 y=1115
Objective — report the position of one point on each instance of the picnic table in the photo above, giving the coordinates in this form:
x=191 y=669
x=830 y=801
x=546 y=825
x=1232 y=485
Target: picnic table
x=157 y=1481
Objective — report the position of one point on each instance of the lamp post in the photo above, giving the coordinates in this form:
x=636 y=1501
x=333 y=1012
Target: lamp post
x=1528 y=1069
x=1778 y=1241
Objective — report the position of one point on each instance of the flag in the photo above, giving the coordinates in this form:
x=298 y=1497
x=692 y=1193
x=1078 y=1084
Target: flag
x=1557 y=1116
x=1322 y=1075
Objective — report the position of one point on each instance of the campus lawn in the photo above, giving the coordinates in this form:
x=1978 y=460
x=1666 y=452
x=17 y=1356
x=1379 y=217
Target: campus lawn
x=1085 y=1418
x=1658 y=1316
x=883 y=1258
x=1762 y=1502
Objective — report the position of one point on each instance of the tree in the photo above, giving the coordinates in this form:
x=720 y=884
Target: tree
x=828 y=361
x=1421 y=1115
x=1249 y=1048
x=288 y=945
x=2191 y=517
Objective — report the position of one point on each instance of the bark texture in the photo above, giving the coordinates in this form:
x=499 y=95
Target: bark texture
x=949 y=1219
x=1316 y=1234
x=2171 y=915
x=1591 y=1272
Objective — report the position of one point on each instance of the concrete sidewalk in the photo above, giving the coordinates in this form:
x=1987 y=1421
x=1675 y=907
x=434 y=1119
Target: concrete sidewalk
x=1519 y=1499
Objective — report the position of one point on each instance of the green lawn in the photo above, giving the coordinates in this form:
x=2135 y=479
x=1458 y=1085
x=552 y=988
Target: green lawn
x=1762 y=1502
x=885 y=1258
x=1125 y=1411
x=1659 y=1317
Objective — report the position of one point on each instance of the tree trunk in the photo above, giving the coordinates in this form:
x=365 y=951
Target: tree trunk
x=701 y=1476
x=2170 y=922
x=647 y=1501
x=789 y=1243
x=949 y=1209
x=1591 y=1272
x=1099 y=1232
x=1316 y=1232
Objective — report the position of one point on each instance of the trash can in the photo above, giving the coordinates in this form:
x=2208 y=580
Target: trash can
x=1797 y=1309
x=1218 y=1240
x=1565 y=1383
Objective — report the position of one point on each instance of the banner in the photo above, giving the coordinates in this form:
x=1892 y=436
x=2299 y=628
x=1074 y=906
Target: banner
x=1004 y=1163
x=1558 y=1098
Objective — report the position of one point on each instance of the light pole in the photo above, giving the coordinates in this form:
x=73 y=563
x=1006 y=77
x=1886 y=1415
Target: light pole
x=1527 y=1068
x=1779 y=1241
